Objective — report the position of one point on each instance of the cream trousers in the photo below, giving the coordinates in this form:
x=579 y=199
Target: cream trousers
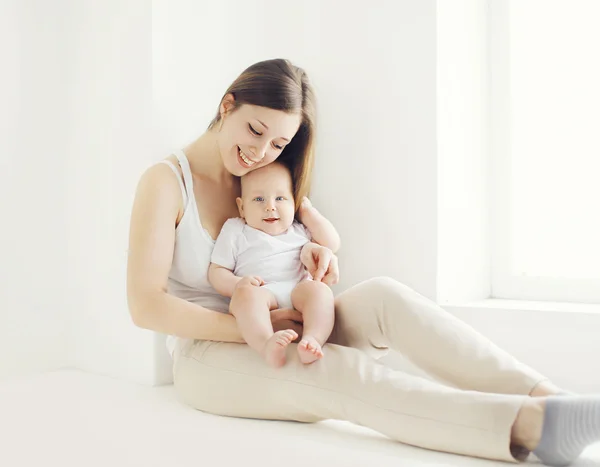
x=473 y=418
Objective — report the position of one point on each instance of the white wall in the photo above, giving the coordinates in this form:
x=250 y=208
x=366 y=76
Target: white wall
x=33 y=89
x=463 y=267
x=76 y=135
x=110 y=145
x=102 y=109
x=374 y=73
x=98 y=91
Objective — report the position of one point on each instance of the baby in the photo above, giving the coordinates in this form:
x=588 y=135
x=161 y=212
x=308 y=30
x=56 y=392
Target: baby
x=256 y=261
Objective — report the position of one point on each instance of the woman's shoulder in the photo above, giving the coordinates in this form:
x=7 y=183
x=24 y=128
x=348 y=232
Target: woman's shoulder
x=161 y=175
x=158 y=184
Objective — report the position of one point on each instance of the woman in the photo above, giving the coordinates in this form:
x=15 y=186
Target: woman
x=497 y=405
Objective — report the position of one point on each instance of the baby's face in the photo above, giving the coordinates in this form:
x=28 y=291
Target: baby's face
x=267 y=201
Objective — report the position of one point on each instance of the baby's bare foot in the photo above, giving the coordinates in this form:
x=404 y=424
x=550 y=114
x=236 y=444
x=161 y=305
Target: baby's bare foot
x=309 y=350
x=274 y=351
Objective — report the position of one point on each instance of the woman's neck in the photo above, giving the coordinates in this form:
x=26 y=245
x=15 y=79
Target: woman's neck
x=205 y=159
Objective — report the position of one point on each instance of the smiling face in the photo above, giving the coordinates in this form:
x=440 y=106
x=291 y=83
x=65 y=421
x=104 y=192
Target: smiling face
x=252 y=136
x=267 y=202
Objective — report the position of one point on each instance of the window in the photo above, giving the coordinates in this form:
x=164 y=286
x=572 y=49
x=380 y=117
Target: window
x=545 y=148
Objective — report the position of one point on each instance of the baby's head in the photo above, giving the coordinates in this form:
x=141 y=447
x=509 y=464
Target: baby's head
x=267 y=201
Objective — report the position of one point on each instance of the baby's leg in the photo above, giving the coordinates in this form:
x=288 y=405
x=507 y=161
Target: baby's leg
x=315 y=301
x=251 y=306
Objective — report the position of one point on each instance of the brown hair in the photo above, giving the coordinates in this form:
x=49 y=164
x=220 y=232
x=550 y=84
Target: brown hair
x=279 y=85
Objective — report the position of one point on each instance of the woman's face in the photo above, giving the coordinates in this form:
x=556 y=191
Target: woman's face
x=253 y=136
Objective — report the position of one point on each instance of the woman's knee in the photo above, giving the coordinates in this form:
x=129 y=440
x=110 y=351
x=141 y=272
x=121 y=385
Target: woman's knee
x=381 y=282
x=381 y=285
x=372 y=293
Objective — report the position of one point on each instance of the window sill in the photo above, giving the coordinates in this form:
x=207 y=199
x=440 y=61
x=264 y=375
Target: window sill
x=525 y=306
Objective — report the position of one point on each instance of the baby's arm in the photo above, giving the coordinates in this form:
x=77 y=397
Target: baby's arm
x=322 y=231
x=222 y=279
x=224 y=258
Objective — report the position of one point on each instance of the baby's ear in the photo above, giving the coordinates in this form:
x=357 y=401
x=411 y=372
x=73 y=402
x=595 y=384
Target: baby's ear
x=240 y=205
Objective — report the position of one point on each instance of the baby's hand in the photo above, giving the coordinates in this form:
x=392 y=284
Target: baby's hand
x=250 y=280
x=306 y=204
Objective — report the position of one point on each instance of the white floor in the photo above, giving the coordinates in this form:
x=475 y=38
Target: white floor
x=70 y=418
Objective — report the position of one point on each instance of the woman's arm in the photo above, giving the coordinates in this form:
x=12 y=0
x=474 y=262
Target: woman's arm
x=155 y=212
x=322 y=231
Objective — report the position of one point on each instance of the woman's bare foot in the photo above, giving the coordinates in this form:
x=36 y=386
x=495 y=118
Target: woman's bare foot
x=309 y=349
x=274 y=350
x=527 y=429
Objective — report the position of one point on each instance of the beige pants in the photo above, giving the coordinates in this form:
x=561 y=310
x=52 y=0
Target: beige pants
x=349 y=384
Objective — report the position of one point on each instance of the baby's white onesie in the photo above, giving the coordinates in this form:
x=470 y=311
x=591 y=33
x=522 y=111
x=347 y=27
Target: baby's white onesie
x=276 y=259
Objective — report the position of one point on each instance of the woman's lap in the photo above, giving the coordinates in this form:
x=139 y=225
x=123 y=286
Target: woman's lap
x=204 y=369
x=233 y=380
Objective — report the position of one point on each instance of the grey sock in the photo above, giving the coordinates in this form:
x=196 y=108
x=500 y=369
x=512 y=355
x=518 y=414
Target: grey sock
x=571 y=423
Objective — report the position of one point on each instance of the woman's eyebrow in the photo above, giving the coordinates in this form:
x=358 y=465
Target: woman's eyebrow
x=268 y=128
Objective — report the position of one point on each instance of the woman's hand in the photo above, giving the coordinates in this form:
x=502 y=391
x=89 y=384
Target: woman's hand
x=287 y=318
x=321 y=263
x=286 y=314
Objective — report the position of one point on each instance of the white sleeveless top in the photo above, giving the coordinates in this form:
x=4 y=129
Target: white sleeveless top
x=188 y=278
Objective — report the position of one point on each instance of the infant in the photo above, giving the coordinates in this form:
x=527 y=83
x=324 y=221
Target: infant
x=257 y=262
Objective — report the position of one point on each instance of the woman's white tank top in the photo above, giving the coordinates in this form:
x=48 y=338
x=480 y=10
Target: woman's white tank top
x=188 y=278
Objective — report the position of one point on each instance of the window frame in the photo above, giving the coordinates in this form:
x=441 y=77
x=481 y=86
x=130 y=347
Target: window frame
x=505 y=284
